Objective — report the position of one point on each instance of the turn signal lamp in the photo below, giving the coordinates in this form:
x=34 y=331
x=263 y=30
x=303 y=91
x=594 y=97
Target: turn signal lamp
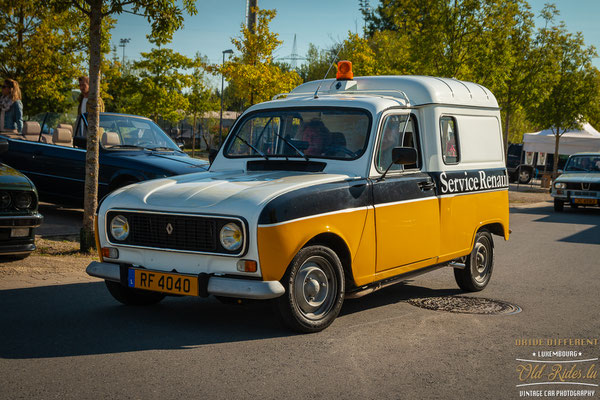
x=246 y=266
x=344 y=71
x=110 y=252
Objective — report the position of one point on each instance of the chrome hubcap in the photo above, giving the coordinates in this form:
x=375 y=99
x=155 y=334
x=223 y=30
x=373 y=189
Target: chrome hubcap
x=315 y=287
x=482 y=262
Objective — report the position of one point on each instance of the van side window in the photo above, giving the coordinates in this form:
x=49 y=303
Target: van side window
x=450 y=149
x=393 y=135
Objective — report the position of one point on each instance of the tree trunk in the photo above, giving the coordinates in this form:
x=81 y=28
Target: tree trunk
x=556 y=143
x=194 y=136
x=90 y=203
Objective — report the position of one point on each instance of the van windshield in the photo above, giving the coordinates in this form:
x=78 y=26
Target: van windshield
x=324 y=133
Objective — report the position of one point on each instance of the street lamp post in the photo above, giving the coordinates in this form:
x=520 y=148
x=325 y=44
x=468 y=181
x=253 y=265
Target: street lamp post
x=228 y=51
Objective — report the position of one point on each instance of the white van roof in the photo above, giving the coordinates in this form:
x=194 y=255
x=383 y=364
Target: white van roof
x=413 y=90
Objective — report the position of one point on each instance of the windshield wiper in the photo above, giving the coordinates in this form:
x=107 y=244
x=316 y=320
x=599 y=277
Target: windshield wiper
x=252 y=147
x=161 y=148
x=126 y=146
x=292 y=146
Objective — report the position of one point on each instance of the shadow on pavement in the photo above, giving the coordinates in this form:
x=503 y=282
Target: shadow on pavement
x=82 y=319
x=59 y=221
x=580 y=216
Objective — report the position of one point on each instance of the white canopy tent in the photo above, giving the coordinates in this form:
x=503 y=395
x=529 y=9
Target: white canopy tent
x=586 y=139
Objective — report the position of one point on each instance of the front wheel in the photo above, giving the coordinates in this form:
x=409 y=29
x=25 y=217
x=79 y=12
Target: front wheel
x=314 y=284
x=479 y=264
x=133 y=297
x=559 y=205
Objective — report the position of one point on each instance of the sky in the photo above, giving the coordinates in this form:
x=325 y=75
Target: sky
x=321 y=22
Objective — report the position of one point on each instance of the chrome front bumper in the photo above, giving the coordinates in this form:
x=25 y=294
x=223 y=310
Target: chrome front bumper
x=216 y=285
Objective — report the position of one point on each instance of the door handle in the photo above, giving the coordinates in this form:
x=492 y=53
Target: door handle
x=427 y=185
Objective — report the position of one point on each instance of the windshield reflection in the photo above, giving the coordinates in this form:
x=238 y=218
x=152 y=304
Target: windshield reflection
x=589 y=163
x=131 y=133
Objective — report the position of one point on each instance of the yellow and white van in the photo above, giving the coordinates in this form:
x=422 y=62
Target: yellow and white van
x=331 y=191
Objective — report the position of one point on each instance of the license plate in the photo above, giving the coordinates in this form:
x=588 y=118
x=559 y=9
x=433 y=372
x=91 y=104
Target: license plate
x=186 y=285
x=585 y=201
x=19 y=232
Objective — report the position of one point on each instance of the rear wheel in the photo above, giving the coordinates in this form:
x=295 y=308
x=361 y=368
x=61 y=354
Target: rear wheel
x=133 y=297
x=559 y=205
x=479 y=264
x=524 y=175
x=314 y=284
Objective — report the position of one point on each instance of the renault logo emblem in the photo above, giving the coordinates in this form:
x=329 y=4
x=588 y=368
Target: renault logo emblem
x=169 y=228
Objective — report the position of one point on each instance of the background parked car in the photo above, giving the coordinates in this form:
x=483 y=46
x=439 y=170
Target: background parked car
x=132 y=149
x=523 y=171
x=579 y=185
x=18 y=211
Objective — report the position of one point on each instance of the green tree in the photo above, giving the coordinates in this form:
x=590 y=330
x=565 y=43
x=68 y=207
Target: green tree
x=573 y=88
x=253 y=72
x=162 y=78
x=42 y=50
x=165 y=17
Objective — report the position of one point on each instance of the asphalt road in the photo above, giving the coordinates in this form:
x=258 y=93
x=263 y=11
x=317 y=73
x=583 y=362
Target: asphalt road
x=75 y=341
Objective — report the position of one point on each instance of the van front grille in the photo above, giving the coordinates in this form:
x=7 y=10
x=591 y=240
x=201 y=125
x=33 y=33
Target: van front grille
x=171 y=231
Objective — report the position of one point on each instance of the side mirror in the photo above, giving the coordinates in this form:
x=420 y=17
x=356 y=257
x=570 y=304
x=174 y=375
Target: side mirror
x=404 y=155
x=3 y=146
x=180 y=145
x=560 y=171
x=212 y=154
x=80 y=142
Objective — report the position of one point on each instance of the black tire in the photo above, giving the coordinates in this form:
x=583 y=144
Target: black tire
x=558 y=205
x=524 y=175
x=479 y=264
x=314 y=283
x=133 y=297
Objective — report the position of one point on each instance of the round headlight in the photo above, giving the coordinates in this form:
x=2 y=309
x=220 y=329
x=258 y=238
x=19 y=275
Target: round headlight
x=560 y=185
x=23 y=200
x=119 y=227
x=231 y=236
x=4 y=200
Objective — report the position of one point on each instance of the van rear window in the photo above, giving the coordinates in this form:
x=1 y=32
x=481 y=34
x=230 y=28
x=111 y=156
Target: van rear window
x=450 y=149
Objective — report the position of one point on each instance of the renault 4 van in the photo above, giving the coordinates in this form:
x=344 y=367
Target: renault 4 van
x=332 y=191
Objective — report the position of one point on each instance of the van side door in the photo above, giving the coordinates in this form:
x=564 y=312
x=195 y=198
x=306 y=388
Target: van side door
x=406 y=206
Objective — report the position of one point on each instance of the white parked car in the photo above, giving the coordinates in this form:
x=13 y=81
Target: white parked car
x=579 y=185
x=331 y=191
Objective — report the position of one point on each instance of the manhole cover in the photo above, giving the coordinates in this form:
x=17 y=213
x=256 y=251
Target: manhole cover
x=466 y=305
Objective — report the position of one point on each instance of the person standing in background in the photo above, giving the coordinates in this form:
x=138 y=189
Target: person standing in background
x=11 y=107
x=84 y=87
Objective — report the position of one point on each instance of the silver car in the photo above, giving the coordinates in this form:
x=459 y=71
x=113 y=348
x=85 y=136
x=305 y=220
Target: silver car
x=579 y=185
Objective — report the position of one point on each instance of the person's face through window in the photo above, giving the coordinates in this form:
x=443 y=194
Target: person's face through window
x=315 y=140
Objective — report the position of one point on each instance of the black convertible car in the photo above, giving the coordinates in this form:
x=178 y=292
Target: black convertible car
x=132 y=149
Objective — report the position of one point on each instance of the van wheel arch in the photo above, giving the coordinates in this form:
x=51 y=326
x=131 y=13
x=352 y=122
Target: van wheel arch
x=495 y=228
x=339 y=246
